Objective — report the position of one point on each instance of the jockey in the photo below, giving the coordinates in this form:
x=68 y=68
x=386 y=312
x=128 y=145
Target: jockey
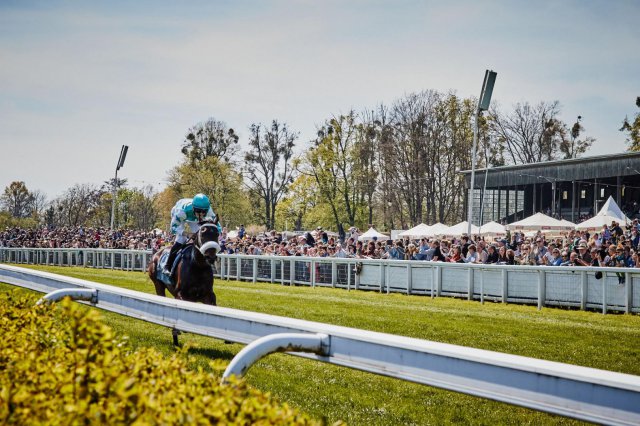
x=185 y=218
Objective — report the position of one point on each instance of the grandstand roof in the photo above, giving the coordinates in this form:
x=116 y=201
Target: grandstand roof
x=597 y=167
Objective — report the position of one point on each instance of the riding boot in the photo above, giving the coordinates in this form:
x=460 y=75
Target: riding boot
x=168 y=268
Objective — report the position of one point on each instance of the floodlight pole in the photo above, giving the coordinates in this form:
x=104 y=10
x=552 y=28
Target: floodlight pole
x=123 y=155
x=483 y=105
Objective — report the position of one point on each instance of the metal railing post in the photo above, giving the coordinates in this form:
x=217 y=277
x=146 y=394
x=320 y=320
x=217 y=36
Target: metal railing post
x=629 y=293
x=272 y=263
x=255 y=270
x=584 y=291
x=505 y=286
x=334 y=274
x=541 y=289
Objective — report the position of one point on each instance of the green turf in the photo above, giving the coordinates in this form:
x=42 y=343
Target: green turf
x=610 y=342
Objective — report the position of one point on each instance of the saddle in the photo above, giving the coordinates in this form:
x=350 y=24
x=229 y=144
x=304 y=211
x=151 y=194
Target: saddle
x=168 y=279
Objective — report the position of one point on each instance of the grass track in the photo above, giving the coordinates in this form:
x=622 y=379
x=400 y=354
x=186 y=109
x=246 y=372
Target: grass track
x=610 y=342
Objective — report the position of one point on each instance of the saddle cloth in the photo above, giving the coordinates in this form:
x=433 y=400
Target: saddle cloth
x=167 y=279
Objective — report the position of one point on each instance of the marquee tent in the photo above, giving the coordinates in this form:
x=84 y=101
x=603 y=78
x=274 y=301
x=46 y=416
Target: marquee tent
x=460 y=228
x=568 y=223
x=539 y=222
x=607 y=214
x=493 y=229
x=419 y=231
x=372 y=233
x=437 y=229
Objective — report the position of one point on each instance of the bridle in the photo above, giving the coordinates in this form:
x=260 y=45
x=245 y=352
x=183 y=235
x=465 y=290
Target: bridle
x=209 y=244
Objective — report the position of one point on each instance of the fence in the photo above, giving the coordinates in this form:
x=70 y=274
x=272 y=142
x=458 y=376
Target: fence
x=575 y=287
x=584 y=393
x=129 y=260
x=617 y=290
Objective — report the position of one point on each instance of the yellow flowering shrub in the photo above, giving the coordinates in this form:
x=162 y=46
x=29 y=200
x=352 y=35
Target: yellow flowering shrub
x=59 y=364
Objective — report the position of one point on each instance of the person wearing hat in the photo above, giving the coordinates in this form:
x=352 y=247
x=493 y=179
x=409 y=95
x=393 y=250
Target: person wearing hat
x=583 y=252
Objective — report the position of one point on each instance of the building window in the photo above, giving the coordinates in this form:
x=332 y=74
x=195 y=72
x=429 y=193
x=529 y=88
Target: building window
x=601 y=192
x=583 y=194
x=565 y=195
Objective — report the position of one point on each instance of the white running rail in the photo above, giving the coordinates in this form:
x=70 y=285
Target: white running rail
x=583 y=393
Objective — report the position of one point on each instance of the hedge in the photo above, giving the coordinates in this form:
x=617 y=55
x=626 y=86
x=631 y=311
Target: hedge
x=59 y=364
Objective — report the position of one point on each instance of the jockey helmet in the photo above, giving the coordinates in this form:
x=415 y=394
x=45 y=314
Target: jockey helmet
x=201 y=202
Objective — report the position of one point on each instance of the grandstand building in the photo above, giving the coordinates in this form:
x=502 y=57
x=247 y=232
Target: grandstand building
x=568 y=189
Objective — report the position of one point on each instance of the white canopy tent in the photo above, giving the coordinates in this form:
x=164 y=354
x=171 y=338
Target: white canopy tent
x=568 y=223
x=418 y=231
x=437 y=229
x=461 y=228
x=608 y=213
x=372 y=233
x=539 y=222
x=493 y=229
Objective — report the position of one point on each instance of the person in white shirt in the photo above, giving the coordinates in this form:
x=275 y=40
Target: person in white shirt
x=472 y=255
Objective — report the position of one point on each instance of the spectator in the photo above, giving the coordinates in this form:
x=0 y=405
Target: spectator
x=472 y=255
x=456 y=255
x=492 y=255
x=502 y=255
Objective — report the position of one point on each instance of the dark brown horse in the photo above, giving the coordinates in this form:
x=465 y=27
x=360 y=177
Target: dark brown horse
x=193 y=275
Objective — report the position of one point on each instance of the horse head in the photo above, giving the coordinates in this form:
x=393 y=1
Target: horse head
x=206 y=240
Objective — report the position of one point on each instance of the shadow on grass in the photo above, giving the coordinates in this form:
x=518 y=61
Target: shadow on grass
x=212 y=353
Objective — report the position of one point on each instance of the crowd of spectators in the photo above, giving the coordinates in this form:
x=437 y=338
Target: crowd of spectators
x=614 y=246
x=81 y=237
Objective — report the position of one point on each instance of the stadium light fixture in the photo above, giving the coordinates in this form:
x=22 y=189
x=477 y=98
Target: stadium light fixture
x=483 y=105
x=123 y=155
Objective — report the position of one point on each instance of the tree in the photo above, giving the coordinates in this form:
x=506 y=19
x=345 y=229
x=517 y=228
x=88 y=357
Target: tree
x=17 y=199
x=633 y=129
x=301 y=198
x=572 y=146
x=210 y=139
x=38 y=203
x=139 y=209
x=269 y=166
x=366 y=171
x=331 y=163
x=529 y=134
x=218 y=179
x=77 y=205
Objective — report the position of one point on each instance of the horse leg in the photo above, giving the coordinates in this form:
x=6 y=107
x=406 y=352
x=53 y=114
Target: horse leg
x=160 y=289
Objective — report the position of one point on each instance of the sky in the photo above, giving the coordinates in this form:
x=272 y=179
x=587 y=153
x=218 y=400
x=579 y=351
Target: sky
x=80 y=79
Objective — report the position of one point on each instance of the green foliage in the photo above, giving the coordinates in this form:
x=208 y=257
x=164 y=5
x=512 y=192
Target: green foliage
x=7 y=220
x=633 y=129
x=220 y=181
x=17 y=200
x=62 y=365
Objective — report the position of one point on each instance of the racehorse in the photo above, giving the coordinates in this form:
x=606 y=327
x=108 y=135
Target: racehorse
x=193 y=274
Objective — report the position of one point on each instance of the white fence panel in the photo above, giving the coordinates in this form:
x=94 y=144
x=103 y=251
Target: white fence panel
x=422 y=279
